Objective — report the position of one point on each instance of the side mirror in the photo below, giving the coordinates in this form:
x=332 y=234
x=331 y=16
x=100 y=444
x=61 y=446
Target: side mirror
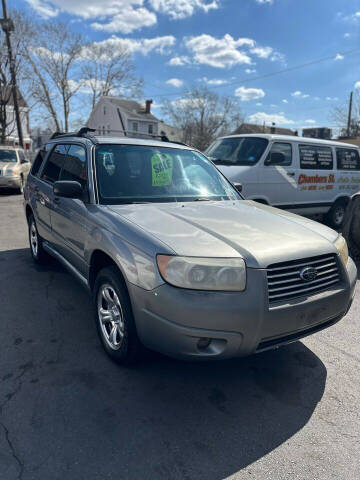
x=276 y=158
x=238 y=187
x=68 y=189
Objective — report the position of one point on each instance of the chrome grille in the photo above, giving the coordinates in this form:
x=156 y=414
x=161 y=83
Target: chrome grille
x=284 y=281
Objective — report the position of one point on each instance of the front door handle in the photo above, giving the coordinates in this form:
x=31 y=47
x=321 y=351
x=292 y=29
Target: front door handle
x=291 y=174
x=57 y=200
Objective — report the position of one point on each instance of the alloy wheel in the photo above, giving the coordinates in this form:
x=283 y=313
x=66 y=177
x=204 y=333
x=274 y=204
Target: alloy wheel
x=34 y=240
x=110 y=317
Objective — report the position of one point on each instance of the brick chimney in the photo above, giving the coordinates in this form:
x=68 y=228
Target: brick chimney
x=148 y=106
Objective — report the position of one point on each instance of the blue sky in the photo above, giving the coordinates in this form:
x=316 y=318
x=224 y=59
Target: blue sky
x=180 y=43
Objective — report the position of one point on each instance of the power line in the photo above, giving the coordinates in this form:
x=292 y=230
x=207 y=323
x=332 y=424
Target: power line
x=267 y=75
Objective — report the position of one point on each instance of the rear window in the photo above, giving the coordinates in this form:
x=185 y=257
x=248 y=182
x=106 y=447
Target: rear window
x=315 y=157
x=237 y=150
x=347 y=159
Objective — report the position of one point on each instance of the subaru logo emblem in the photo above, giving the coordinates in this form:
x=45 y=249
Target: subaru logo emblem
x=308 y=274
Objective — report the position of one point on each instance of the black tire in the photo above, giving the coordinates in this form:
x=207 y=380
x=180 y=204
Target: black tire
x=38 y=253
x=126 y=348
x=335 y=216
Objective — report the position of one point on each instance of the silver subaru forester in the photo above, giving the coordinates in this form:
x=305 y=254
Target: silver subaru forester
x=175 y=259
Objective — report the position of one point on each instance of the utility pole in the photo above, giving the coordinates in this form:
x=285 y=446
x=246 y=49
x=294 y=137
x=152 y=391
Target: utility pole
x=349 y=115
x=8 y=27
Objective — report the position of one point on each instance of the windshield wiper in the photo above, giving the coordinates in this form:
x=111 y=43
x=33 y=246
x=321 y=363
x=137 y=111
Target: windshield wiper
x=222 y=161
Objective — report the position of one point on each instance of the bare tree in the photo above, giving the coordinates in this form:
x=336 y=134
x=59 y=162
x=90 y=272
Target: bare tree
x=339 y=115
x=203 y=115
x=108 y=70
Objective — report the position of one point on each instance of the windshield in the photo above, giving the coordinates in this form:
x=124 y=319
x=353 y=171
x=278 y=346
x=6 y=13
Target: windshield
x=8 y=156
x=237 y=150
x=137 y=174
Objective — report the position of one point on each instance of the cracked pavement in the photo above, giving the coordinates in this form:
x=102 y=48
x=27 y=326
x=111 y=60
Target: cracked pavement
x=68 y=412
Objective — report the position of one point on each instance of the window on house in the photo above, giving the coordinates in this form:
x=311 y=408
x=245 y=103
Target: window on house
x=104 y=109
x=151 y=130
x=135 y=127
x=108 y=129
x=103 y=130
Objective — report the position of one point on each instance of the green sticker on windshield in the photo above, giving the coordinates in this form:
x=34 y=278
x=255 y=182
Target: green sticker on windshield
x=161 y=167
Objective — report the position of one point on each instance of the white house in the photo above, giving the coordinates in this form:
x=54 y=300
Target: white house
x=7 y=102
x=120 y=117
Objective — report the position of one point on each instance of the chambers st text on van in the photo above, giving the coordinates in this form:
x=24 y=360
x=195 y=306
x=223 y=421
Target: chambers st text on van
x=303 y=175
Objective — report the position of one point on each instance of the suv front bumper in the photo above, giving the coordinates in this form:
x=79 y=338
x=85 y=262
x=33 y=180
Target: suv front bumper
x=10 y=182
x=172 y=320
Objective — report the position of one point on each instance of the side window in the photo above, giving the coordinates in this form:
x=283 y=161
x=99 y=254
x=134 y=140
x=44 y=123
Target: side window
x=280 y=154
x=38 y=161
x=347 y=159
x=54 y=163
x=75 y=165
x=315 y=157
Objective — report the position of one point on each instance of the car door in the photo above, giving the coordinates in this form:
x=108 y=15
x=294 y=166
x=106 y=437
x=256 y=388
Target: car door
x=25 y=164
x=69 y=216
x=44 y=195
x=278 y=175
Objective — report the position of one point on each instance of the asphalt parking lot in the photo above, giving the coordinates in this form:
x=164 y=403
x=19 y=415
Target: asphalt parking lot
x=68 y=412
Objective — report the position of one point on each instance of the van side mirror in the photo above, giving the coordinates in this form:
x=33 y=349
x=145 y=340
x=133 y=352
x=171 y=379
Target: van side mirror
x=238 y=187
x=68 y=189
x=276 y=158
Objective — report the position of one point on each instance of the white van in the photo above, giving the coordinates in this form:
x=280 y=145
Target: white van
x=304 y=175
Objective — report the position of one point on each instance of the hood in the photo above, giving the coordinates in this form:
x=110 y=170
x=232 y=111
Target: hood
x=5 y=165
x=260 y=234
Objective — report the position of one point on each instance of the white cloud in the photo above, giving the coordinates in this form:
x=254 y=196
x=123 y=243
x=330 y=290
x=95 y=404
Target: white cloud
x=213 y=81
x=113 y=16
x=160 y=45
x=332 y=99
x=346 y=35
x=299 y=94
x=175 y=82
x=247 y=94
x=179 y=61
x=250 y=70
x=310 y=121
x=270 y=2
x=285 y=101
x=227 y=51
x=357 y=85
x=339 y=57
x=258 y=104
x=273 y=105
x=178 y=9
x=261 y=117
x=127 y=21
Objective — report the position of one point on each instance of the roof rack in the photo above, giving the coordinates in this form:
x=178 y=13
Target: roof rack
x=83 y=133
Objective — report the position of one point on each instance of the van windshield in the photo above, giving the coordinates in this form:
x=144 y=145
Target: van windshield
x=237 y=150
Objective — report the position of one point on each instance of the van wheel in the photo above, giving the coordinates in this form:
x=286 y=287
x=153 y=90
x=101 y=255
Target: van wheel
x=36 y=248
x=335 y=216
x=114 y=318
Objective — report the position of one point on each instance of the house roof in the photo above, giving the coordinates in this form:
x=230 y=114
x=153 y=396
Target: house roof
x=253 y=128
x=132 y=108
x=7 y=96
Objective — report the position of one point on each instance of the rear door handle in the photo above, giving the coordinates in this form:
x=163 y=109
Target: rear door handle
x=291 y=174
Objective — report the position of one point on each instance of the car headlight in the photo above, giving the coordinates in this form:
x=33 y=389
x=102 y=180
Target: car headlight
x=12 y=172
x=228 y=274
x=341 y=246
